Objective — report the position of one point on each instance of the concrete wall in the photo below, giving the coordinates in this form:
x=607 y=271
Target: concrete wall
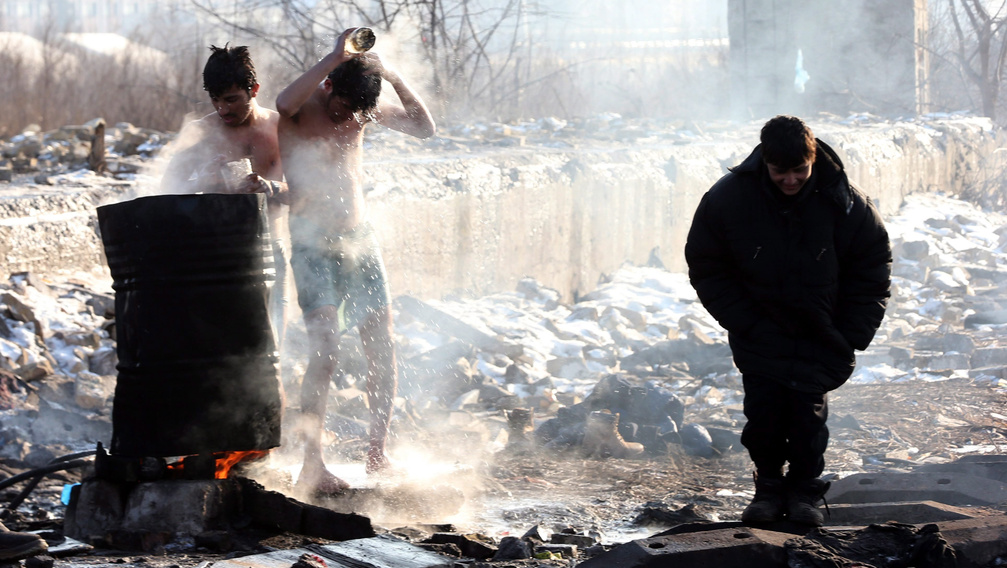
x=478 y=223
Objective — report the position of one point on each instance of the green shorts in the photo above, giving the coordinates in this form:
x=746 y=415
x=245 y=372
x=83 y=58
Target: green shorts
x=338 y=269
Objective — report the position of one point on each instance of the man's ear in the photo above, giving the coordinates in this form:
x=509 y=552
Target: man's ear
x=255 y=90
x=327 y=86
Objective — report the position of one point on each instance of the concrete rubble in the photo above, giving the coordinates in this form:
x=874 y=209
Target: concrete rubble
x=523 y=372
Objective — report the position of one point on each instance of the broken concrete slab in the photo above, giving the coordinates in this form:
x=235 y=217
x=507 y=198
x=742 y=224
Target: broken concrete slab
x=174 y=507
x=974 y=542
x=378 y=552
x=741 y=546
x=989 y=466
x=168 y=506
x=456 y=327
x=892 y=487
x=186 y=506
x=977 y=542
x=888 y=544
x=912 y=512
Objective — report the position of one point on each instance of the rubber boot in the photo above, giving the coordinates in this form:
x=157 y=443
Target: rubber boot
x=769 y=503
x=19 y=545
x=520 y=426
x=602 y=438
x=803 y=497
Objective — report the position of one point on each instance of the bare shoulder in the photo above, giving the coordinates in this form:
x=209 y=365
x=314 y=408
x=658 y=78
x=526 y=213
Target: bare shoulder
x=271 y=116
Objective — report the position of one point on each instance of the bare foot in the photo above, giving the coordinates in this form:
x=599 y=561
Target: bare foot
x=320 y=483
x=378 y=463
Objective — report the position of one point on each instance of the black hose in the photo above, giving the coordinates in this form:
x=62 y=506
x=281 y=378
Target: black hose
x=53 y=466
x=69 y=461
x=16 y=502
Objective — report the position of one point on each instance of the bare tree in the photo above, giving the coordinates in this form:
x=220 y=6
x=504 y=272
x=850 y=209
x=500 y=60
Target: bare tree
x=474 y=49
x=969 y=45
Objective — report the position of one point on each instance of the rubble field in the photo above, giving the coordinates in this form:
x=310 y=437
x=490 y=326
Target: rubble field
x=930 y=391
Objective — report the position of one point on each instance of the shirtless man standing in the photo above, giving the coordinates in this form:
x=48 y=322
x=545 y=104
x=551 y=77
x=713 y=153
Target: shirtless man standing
x=239 y=128
x=336 y=262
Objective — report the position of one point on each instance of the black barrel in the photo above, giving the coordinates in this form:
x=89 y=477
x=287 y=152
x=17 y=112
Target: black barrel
x=197 y=360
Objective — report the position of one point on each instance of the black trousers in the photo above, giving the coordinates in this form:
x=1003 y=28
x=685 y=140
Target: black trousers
x=784 y=426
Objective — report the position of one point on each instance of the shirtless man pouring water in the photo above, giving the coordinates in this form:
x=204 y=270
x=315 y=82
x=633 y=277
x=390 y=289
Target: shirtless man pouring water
x=336 y=261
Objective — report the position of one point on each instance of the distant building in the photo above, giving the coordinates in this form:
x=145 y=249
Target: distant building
x=789 y=56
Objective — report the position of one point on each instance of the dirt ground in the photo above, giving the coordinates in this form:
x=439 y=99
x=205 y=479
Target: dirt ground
x=875 y=427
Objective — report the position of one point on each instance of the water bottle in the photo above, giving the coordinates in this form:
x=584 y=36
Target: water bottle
x=360 y=40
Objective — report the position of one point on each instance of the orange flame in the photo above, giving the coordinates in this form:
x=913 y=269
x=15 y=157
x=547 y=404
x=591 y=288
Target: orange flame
x=227 y=460
x=224 y=461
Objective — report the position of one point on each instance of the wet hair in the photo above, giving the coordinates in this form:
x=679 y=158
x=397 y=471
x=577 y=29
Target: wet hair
x=358 y=91
x=787 y=142
x=228 y=67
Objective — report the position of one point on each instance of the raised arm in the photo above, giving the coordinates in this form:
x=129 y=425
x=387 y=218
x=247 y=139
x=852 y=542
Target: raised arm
x=291 y=99
x=412 y=117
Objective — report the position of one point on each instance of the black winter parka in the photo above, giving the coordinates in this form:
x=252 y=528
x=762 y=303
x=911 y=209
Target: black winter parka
x=798 y=283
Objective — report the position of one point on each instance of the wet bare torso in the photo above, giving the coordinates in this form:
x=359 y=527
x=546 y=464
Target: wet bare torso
x=256 y=141
x=322 y=162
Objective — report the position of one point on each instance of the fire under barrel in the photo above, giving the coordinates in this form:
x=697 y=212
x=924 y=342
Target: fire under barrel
x=197 y=368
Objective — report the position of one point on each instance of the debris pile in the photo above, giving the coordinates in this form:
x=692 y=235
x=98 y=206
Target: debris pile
x=641 y=346
x=34 y=155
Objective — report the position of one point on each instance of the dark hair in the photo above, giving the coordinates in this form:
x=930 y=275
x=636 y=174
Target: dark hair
x=226 y=68
x=359 y=91
x=787 y=142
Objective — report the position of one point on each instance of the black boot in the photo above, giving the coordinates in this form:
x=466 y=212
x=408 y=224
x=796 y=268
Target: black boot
x=521 y=425
x=803 y=497
x=769 y=503
x=19 y=545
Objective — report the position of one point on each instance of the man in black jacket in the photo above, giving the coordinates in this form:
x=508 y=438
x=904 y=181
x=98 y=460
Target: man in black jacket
x=796 y=264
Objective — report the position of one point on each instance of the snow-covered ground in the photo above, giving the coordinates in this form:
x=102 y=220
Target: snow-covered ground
x=572 y=346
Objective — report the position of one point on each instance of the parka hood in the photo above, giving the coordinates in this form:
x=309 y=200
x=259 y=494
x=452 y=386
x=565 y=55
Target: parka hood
x=828 y=168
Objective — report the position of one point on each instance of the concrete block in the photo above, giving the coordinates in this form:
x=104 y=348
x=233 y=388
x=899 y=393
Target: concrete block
x=564 y=550
x=271 y=509
x=995 y=371
x=579 y=540
x=977 y=542
x=893 y=487
x=989 y=356
x=743 y=546
x=381 y=552
x=94 y=507
x=875 y=357
x=325 y=523
x=471 y=545
x=186 y=506
x=988 y=466
x=946 y=361
x=909 y=512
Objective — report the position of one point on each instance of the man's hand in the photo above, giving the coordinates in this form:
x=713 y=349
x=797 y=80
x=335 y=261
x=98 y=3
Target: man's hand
x=340 y=47
x=254 y=183
x=377 y=67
